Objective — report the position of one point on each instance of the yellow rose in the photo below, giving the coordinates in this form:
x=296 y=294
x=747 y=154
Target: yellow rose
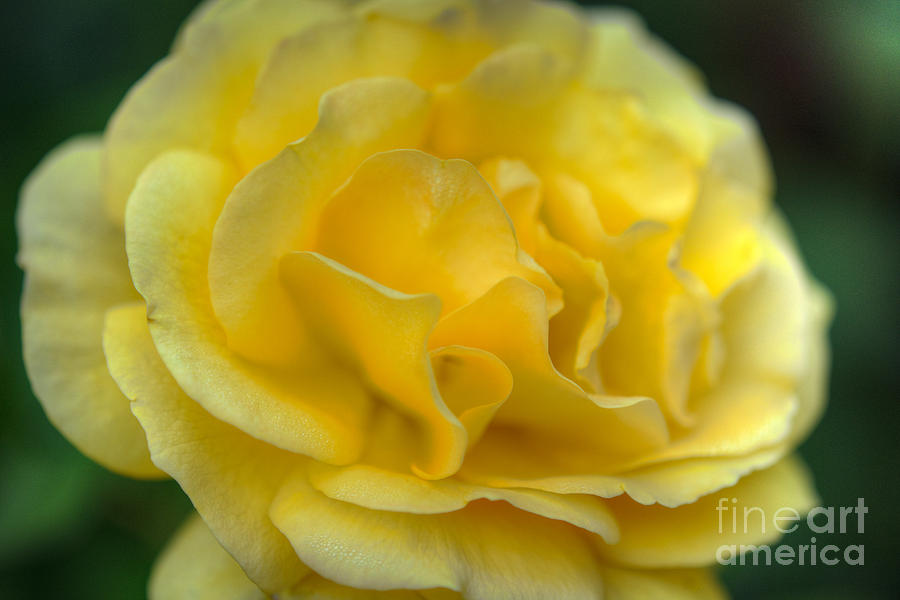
x=455 y=298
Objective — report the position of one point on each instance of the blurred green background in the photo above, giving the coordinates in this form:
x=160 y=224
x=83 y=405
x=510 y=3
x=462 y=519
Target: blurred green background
x=823 y=79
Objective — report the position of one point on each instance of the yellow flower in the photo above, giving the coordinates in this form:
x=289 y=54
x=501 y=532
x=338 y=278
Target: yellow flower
x=435 y=299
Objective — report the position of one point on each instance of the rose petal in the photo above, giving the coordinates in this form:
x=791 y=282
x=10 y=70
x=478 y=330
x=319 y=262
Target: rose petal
x=756 y=344
x=579 y=328
x=274 y=210
x=384 y=334
x=622 y=56
x=687 y=536
x=487 y=550
x=314 y=409
x=813 y=389
x=570 y=214
x=379 y=489
x=671 y=483
x=193 y=98
x=655 y=345
x=519 y=190
x=75 y=269
x=230 y=477
x=305 y=66
x=736 y=418
x=722 y=237
x=577 y=331
x=314 y=587
x=681 y=584
x=522 y=102
x=473 y=384
x=194 y=566
x=510 y=321
x=419 y=224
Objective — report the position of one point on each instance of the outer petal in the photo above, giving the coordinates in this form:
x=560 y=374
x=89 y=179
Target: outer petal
x=486 y=551
x=230 y=477
x=813 y=391
x=622 y=56
x=740 y=154
x=519 y=189
x=556 y=28
x=193 y=99
x=75 y=268
x=195 y=567
x=682 y=584
x=722 y=238
x=315 y=587
x=314 y=409
x=766 y=316
x=690 y=535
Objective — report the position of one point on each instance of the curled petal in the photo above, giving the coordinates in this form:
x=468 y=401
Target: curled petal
x=275 y=209
x=519 y=189
x=577 y=331
x=510 y=321
x=419 y=224
x=473 y=383
x=384 y=334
